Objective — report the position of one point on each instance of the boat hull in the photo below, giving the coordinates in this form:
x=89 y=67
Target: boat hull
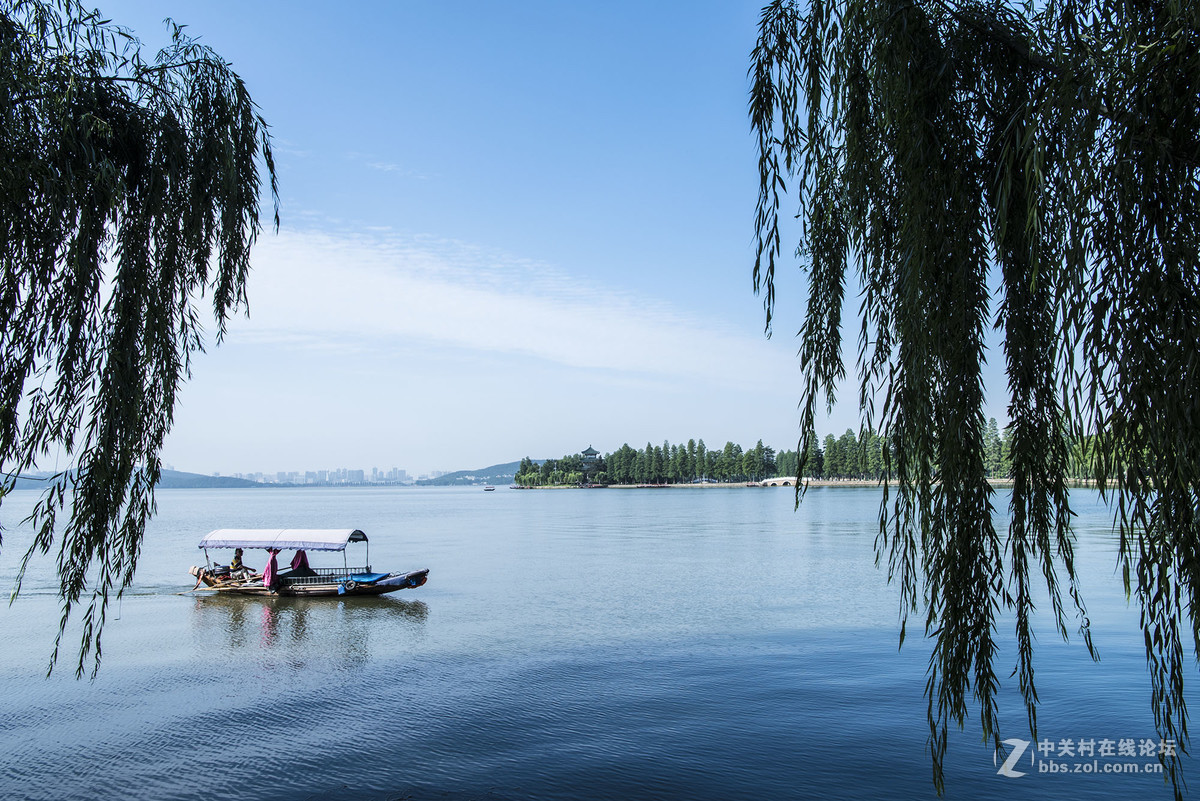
x=343 y=586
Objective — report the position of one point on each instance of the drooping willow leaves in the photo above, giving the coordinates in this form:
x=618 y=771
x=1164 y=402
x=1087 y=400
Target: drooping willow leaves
x=1030 y=169
x=129 y=197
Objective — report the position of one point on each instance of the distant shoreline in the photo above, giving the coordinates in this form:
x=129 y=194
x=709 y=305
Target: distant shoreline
x=1076 y=483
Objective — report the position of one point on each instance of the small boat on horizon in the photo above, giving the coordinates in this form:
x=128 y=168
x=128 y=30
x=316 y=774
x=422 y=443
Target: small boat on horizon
x=489 y=488
x=300 y=579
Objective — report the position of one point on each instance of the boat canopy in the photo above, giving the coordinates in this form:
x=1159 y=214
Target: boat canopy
x=303 y=539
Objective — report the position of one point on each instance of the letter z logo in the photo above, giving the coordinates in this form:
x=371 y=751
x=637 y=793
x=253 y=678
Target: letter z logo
x=1018 y=748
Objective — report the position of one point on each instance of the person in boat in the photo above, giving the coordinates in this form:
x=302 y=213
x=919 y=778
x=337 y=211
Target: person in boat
x=237 y=568
x=270 y=577
x=300 y=565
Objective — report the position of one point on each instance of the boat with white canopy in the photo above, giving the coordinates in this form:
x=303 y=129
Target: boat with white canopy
x=300 y=579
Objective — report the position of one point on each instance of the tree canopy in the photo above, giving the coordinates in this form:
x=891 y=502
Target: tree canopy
x=655 y=464
x=1022 y=172
x=129 y=190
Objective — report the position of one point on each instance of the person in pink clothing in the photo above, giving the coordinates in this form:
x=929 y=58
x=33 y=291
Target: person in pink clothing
x=271 y=571
x=300 y=565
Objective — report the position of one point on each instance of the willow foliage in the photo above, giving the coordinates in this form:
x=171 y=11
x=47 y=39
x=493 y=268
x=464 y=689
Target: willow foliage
x=129 y=191
x=1031 y=169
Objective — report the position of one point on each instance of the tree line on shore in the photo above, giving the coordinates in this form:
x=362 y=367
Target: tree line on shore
x=655 y=464
x=851 y=456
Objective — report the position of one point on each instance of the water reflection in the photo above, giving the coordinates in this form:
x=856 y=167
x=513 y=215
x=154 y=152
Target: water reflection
x=299 y=629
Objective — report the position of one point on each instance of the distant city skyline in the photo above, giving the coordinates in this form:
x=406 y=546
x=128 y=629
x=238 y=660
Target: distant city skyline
x=340 y=475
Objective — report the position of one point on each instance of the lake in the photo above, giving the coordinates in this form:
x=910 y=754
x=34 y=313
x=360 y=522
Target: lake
x=642 y=644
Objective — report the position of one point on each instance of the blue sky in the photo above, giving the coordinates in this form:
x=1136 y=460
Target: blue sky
x=508 y=229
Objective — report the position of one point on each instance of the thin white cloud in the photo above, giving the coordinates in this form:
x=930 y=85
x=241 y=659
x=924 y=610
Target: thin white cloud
x=320 y=290
x=373 y=162
x=288 y=147
x=397 y=169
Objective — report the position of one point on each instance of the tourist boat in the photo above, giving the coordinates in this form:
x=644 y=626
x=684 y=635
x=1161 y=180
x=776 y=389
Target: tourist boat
x=299 y=579
x=489 y=488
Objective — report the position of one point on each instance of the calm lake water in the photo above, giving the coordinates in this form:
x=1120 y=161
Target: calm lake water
x=692 y=644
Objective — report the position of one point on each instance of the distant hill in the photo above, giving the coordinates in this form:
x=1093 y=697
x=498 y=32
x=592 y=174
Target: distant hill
x=32 y=481
x=169 y=479
x=496 y=474
x=174 y=479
